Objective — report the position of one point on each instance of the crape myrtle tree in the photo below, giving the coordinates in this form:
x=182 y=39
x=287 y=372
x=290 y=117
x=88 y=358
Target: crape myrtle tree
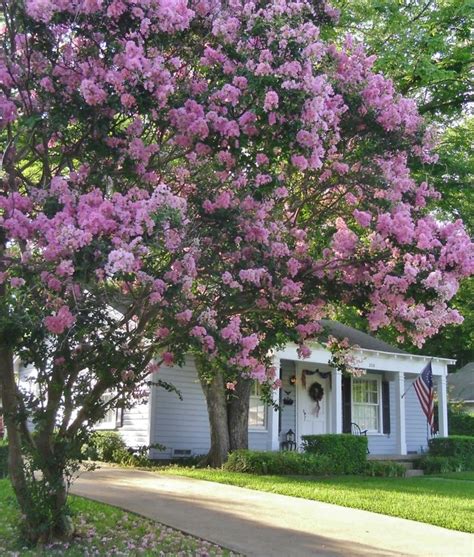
x=206 y=177
x=434 y=41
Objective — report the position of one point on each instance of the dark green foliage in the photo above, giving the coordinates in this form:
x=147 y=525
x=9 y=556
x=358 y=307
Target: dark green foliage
x=106 y=446
x=3 y=459
x=384 y=469
x=449 y=454
x=347 y=452
x=441 y=464
x=460 y=446
x=284 y=462
x=460 y=423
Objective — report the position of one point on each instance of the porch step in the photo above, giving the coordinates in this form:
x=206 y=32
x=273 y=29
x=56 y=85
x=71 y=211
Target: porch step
x=414 y=473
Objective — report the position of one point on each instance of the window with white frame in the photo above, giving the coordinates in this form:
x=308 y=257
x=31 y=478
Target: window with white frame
x=366 y=404
x=257 y=409
x=109 y=421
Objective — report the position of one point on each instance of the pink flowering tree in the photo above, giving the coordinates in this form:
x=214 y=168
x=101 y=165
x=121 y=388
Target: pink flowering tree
x=200 y=177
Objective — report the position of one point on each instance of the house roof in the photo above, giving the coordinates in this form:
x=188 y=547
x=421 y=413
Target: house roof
x=461 y=383
x=365 y=341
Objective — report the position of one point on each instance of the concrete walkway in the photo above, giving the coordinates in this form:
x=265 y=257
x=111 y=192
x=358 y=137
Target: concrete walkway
x=266 y=524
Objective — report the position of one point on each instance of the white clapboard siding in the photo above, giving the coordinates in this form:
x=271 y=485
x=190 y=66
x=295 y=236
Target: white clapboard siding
x=180 y=424
x=184 y=424
x=135 y=429
x=385 y=444
x=415 y=421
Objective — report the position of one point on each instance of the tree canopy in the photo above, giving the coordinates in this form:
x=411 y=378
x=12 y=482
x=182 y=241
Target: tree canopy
x=197 y=177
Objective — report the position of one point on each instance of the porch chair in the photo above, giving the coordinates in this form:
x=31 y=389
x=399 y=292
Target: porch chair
x=356 y=430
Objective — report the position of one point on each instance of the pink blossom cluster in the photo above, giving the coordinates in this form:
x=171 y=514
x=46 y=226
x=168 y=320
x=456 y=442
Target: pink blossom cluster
x=211 y=162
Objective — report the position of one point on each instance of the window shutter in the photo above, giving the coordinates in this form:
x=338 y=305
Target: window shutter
x=386 y=406
x=346 y=404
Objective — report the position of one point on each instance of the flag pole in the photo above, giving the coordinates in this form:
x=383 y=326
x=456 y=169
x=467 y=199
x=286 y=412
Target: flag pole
x=413 y=382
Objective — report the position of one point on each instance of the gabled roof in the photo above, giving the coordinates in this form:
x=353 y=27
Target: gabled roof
x=365 y=341
x=461 y=383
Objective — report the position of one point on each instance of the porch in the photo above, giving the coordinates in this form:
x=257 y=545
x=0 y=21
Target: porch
x=317 y=399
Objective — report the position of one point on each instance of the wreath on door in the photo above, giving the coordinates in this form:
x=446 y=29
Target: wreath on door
x=316 y=393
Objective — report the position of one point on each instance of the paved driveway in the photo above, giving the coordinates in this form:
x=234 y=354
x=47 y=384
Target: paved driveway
x=266 y=524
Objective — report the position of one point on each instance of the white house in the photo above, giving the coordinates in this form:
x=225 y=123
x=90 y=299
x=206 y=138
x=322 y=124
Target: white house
x=395 y=425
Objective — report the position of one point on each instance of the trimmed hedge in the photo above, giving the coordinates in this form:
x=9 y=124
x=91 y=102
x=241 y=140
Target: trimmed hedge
x=348 y=453
x=449 y=454
x=284 y=462
x=3 y=459
x=440 y=464
x=459 y=446
x=460 y=423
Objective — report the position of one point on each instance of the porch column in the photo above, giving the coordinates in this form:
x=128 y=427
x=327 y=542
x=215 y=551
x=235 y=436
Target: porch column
x=275 y=413
x=336 y=401
x=442 y=406
x=401 y=416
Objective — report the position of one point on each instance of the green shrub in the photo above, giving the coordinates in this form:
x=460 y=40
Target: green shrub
x=384 y=469
x=284 y=462
x=3 y=458
x=448 y=454
x=106 y=446
x=440 y=464
x=460 y=423
x=456 y=446
x=347 y=452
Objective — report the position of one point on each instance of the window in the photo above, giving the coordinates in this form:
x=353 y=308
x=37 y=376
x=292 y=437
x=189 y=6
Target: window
x=366 y=405
x=109 y=421
x=257 y=409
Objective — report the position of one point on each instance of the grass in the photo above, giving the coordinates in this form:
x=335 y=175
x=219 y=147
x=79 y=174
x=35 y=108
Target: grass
x=103 y=530
x=466 y=476
x=446 y=500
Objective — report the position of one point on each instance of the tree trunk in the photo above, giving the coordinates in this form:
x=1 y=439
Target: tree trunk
x=214 y=391
x=43 y=520
x=16 y=465
x=238 y=415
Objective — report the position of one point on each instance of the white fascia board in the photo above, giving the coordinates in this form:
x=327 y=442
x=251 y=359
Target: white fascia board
x=372 y=359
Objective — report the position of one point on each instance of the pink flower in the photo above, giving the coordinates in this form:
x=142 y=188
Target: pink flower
x=184 y=316
x=92 y=93
x=300 y=162
x=230 y=385
x=168 y=358
x=60 y=321
x=304 y=351
x=16 y=282
x=271 y=101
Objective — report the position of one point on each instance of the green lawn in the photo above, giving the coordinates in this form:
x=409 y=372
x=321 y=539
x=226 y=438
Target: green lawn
x=103 y=530
x=446 y=501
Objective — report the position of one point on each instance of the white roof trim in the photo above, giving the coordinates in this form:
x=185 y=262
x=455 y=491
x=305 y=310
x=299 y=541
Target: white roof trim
x=395 y=355
x=448 y=361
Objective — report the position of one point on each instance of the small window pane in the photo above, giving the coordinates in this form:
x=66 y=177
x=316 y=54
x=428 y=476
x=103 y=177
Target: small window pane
x=366 y=404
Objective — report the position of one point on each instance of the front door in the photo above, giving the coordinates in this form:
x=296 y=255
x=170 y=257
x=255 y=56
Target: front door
x=312 y=414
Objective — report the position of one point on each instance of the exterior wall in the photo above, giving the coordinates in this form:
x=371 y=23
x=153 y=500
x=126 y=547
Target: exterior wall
x=415 y=421
x=179 y=424
x=26 y=382
x=183 y=424
x=386 y=444
x=135 y=428
x=288 y=412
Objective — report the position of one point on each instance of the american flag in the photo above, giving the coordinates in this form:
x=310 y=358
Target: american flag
x=424 y=390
